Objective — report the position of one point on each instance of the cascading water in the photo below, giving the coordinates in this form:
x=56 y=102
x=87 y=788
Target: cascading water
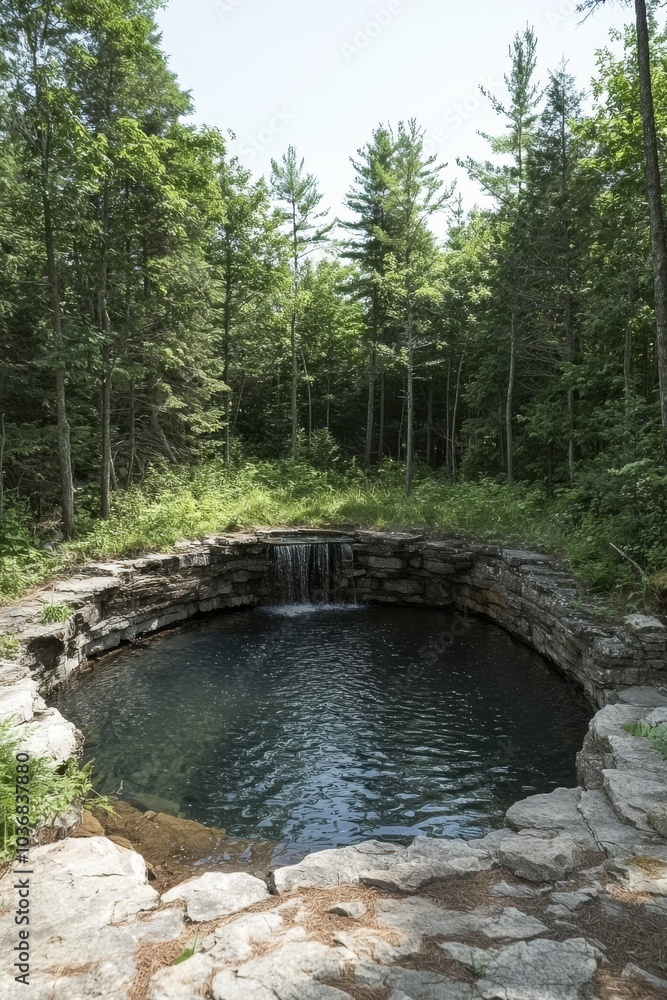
x=310 y=570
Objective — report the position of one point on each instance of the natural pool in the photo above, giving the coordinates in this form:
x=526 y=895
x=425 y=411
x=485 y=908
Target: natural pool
x=318 y=726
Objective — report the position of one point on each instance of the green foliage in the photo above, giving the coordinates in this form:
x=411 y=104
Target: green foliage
x=51 y=614
x=51 y=791
x=9 y=647
x=189 y=952
x=656 y=735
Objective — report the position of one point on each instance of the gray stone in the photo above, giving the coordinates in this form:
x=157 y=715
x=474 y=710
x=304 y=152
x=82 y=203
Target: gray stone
x=353 y=910
x=476 y=959
x=297 y=971
x=644 y=872
x=574 y=901
x=538 y=859
x=540 y=970
x=644 y=623
x=415 y=918
x=635 y=972
x=614 y=837
x=186 y=981
x=215 y=895
x=643 y=697
x=344 y=866
x=557 y=811
x=634 y=796
x=504 y=889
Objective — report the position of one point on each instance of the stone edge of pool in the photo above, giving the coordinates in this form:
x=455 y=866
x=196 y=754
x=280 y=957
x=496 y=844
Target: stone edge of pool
x=618 y=812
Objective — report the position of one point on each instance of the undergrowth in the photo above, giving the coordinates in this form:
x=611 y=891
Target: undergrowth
x=656 y=735
x=51 y=791
x=579 y=525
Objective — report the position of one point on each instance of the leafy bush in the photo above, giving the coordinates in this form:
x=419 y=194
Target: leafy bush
x=51 y=791
x=657 y=735
x=51 y=614
x=9 y=647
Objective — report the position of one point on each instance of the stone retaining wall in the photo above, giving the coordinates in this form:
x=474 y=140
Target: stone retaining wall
x=528 y=594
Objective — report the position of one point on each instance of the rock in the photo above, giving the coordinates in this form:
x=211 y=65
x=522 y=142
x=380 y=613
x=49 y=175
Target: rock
x=634 y=796
x=614 y=837
x=297 y=971
x=634 y=972
x=658 y=820
x=644 y=623
x=645 y=872
x=475 y=958
x=538 y=859
x=90 y=827
x=186 y=981
x=87 y=895
x=215 y=895
x=416 y=985
x=355 y=910
x=573 y=901
x=429 y=860
x=51 y=736
x=345 y=866
x=540 y=970
x=643 y=697
x=237 y=942
x=557 y=811
x=16 y=703
x=415 y=918
x=504 y=889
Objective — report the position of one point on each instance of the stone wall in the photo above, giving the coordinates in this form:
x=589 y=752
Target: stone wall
x=528 y=594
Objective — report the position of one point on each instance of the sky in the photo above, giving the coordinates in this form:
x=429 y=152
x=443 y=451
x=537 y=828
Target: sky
x=322 y=74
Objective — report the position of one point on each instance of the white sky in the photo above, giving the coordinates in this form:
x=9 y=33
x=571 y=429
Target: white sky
x=321 y=75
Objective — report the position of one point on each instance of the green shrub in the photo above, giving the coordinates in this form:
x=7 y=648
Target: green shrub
x=51 y=614
x=52 y=791
x=9 y=647
x=657 y=735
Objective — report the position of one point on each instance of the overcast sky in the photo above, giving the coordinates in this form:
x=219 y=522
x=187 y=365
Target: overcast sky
x=321 y=75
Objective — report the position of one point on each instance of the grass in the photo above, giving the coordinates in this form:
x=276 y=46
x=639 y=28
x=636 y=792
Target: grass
x=51 y=791
x=9 y=647
x=52 y=614
x=656 y=735
x=171 y=506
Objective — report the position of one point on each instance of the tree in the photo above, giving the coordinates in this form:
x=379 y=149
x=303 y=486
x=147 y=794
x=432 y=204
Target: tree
x=653 y=187
x=506 y=184
x=415 y=195
x=368 y=200
x=297 y=192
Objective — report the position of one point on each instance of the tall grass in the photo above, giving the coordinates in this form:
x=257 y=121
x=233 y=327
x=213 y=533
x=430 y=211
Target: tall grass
x=170 y=506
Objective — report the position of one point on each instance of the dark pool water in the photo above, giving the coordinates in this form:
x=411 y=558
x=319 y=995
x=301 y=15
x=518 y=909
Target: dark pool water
x=314 y=727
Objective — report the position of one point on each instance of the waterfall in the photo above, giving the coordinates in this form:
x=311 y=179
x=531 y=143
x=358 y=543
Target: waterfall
x=308 y=571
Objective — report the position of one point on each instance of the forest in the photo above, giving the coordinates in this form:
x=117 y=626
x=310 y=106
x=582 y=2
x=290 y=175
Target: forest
x=186 y=347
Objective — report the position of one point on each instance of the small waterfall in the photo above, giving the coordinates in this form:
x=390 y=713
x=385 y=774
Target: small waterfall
x=311 y=570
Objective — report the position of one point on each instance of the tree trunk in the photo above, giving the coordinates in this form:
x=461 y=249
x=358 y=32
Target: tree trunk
x=628 y=373
x=509 y=411
x=382 y=416
x=310 y=397
x=370 y=413
x=105 y=353
x=569 y=352
x=455 y=418
x=656 y=208
x=295 y=383
x=227 y=324
x=132 y=440
x=63 y=430
x=429 y=425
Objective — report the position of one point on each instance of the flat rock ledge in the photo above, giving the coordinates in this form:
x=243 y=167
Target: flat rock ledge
x=568 y=901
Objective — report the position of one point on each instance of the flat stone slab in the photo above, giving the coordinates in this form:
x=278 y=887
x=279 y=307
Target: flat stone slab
x=538 y=859
x=216 y=895
x=540 y=970
x=344 y=866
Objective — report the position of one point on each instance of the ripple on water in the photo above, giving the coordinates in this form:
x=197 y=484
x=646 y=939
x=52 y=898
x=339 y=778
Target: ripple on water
x=321 y=725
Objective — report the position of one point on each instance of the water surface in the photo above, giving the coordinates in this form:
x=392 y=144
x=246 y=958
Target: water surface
x=315 y=727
